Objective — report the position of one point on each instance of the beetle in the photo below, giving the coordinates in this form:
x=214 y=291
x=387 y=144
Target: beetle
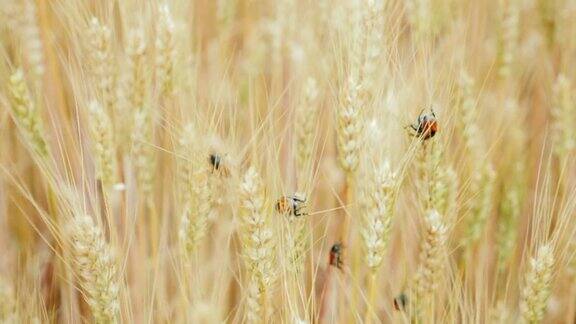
x=336 y=255
x=292 y=205
x=426 y=126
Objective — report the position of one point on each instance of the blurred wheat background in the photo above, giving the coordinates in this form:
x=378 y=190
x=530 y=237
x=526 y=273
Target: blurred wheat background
x=253 y=161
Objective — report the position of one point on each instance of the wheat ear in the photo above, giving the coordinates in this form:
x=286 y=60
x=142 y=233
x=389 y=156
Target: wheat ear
x=432 y=259
x=103 y=64
x=26 y=115
x=96 y=269
x=537 y=285
x=197 y=210
x=165 y=51
x=103 y=141
x=257 y=241
x=380 y=203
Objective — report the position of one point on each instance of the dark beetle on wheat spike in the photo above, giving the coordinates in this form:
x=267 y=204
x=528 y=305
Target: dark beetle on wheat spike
x=291 y=206
x=400 y=302
x=218 y=164
x=215 y=161
x=336 y=255
x=426 y=126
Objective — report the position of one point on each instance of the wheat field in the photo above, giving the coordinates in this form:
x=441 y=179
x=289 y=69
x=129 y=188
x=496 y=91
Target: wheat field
x=288 y=161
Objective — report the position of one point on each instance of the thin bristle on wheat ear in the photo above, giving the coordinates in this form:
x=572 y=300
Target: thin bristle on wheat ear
x=537 y=285
x=257 y=240
x=95 y=268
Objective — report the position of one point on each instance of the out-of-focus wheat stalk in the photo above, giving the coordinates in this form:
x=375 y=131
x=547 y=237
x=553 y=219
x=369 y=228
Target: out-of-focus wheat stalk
x=103 y=143
x=143 y=151
x=31 y=40
x=564 y=113
x=26 y=114
x=306 y=118
x=508 y=36
x=165 y=51
x=8 y=311
x=429 y=276
x=136 y=76
x=103 y=64
x=135 y=85
x=482 y=175
x=196 y=194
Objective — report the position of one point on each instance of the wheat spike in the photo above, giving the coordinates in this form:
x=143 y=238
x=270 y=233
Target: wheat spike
x=96 y=269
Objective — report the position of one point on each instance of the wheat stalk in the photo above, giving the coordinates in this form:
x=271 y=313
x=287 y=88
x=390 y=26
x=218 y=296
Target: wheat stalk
x=31 y=41
x=165 y=51
x=564 y=113
x=257 y=242
x=482 y=183
x=136 y=81
x=432 y=259
x=306 y=118
x=8 y=311
x=143 y=151
x=103 y=142
x=537 y=285
x=26 y=115
x=508 y=36
x=379 y=209
x=135 y=85
x=103 y=64
x=95 y=268
x=380 y=196
x=197 y=211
